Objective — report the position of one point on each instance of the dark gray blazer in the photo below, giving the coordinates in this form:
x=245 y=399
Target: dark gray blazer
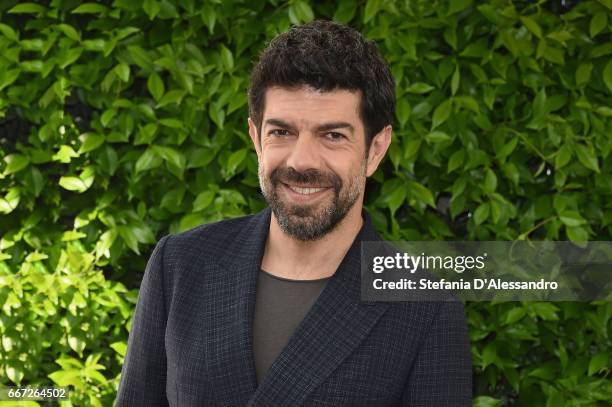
x=190 y=342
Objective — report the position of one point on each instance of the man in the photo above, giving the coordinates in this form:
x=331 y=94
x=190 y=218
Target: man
x=265 y=310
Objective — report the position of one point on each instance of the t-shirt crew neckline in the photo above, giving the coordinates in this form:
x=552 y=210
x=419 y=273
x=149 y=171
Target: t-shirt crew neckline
x=318 y=280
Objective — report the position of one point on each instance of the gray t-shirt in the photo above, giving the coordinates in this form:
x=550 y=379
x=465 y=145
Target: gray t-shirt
x=280 y=306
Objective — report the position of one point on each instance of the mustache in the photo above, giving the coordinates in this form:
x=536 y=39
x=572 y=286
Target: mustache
x=310 y=176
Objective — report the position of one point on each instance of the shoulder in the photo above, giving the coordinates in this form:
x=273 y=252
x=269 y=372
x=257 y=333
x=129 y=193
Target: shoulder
x=211 y=238
x=422 y=317
x=427 y=310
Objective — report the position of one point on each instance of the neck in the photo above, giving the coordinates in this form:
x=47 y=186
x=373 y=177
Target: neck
x=287 y=257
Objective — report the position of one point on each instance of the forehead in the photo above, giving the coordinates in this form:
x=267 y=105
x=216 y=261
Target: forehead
x=306 y=103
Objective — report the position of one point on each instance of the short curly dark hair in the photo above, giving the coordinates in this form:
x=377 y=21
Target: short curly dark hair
x=325 y=56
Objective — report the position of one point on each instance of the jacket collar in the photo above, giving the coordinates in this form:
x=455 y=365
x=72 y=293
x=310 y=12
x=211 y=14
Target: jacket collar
x=331 y=330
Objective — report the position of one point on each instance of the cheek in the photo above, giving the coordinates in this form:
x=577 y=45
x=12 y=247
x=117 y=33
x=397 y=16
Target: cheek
x=271 y=158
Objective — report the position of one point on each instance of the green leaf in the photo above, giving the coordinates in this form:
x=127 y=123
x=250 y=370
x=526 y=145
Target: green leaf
x=481 y=213
x=155 y=86
x=514 y=315
x=108 y=159
x=143 y=233
x=395 y=199
x=598 y=363
x=302 y=11
x=577 y=234
x=372 y=8
x=209 y=17
x=346 y=11
x=140 y=57
x=200 y=157
x=65 y=154
x=203 y=200
x=34 y=181
x=227 y=58
x=554 y=55
x=456 y=6
x=120 y=348
x=97 y=45
x=69 y=31
x=455 y=160
x=450 y=35
x=148 y=160
x=532 y=26
x=587 y=157
x=441 y=114
x=490 y=354
x=607 y=75
x=437 y=137
x=15 y=163
x=151 y=7
x=411 y=149
x=217 y=114
x=583 y=73
x=73 y=184
x=8 y=32
x=27 y=8
x=563 y=157
x=123 y=71
x=421 y=110
x=129 y=237
x=68 y=56
x=490 y=182
x=571 y=218
x=10 y=201
x=190 y=221
x=65 y=378
x=507 y=149
x=90 y=141
x=176 y=161
x=486 y=401
x=419 y=88
x=107 y=116
x=172 y=96
x=8 y=77
x=598 y=23
x=455 y=80
x=403 y=111
x=235 y=160
x=90 y=8
x=172 y=123
x=146 y=134
x=421 y=193
x=539 y=105
x=604 y=111
x=548 y=312
x=15 y=375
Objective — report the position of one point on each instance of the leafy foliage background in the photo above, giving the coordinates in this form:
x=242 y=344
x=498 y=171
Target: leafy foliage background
x=123 y=121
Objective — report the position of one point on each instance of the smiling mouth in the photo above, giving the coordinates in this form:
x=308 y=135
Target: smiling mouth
x=305 y=190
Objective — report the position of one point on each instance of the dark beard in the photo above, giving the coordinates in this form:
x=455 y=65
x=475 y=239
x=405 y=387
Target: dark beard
x=306 y=222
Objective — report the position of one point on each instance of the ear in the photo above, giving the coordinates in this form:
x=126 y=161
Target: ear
x=378 y=149
x=255 y=137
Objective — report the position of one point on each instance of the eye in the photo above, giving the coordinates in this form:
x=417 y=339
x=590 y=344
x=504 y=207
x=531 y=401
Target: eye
x=278 y=132
x=334 y=136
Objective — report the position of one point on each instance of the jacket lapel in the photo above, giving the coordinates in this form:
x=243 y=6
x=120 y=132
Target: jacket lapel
x=332 y=329
x=228 y=339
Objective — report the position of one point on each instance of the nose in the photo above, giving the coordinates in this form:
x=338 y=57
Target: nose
x=304 y=154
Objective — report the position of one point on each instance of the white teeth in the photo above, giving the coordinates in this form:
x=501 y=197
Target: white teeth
x=306 y=191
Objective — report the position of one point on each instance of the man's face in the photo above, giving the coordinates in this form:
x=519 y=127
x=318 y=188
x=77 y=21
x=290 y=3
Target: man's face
x=312 y=163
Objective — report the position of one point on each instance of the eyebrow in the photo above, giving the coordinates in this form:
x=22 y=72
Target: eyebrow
x=321 y=127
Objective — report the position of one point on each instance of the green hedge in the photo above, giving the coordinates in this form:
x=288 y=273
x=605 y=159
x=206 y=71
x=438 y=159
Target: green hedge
x=123 y=121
